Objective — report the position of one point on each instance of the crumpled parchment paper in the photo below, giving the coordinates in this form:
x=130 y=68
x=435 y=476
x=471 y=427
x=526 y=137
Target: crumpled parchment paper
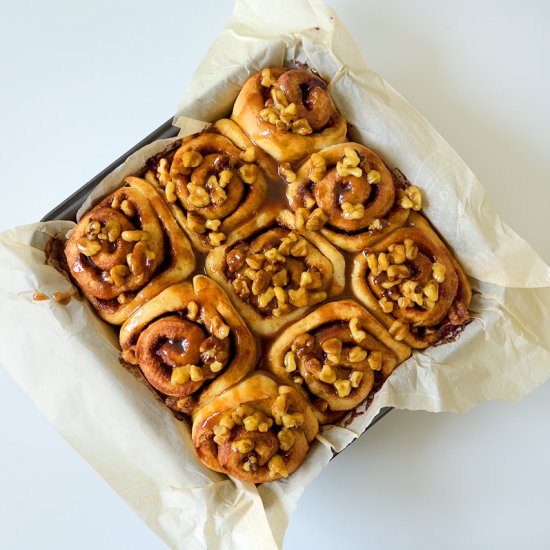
x=66 y=359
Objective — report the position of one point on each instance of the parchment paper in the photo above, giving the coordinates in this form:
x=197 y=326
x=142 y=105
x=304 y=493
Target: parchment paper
x=66 y=359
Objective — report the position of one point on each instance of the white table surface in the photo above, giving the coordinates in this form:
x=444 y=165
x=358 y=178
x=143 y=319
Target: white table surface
x=98 y=76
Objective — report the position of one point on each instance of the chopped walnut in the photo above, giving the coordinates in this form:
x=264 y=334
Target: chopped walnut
x=316 y=220
x=301 y=127
x=267 y=78
x=439 y=271
x=287 y=173
x=317 y=167
x=235 y=259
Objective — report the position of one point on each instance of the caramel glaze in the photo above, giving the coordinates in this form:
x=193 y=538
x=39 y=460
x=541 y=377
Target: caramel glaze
x=449 y=333
x=63 y=298
x=276 y=194
x=55 y=257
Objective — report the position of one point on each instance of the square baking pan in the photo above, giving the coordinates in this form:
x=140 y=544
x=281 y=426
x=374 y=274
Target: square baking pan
x=67 y=209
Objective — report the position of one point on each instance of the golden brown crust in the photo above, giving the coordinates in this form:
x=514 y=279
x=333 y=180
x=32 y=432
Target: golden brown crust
x=301 y=88
x=133 y=233
x=335 y=356
x=214 y=181
x=257 y=431
x=262 y=267
x=355 y=190
x=189 y=342
x=430 y=293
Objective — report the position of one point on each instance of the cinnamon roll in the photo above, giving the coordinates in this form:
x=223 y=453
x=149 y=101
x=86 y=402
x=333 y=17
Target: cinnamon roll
x=335 y=356
x=273 y=270
x=413 y=285
x=189 y=342
x=257 y=431
x=213 y=182
x=126 y=250
x=356 y=193
x=288 y=113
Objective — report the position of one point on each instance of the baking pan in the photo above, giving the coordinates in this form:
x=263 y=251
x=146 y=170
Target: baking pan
x=67 y=209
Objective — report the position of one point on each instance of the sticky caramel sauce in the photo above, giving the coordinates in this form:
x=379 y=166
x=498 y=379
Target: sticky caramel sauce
x=63 y=298
x=54 y=256
x=449 y=333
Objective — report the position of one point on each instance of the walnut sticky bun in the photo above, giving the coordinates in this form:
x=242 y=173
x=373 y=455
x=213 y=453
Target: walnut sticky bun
x=335 y=356
x=412 y=284
x=257 y=431
x=288 y=113
x=213 y=182
x=126 y=250
x=189 y=343
x=274 y=271
x=355 y=193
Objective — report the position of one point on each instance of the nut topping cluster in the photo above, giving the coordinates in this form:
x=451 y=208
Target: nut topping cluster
x=334 y=357
x=212 y=182
x=284 y=115
x=239 y=425
x=392 y=272
x=272 y=273
x=289 y=111
x=261 y=438
x=356 y=196
x=127 y=249
x=205 y=192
